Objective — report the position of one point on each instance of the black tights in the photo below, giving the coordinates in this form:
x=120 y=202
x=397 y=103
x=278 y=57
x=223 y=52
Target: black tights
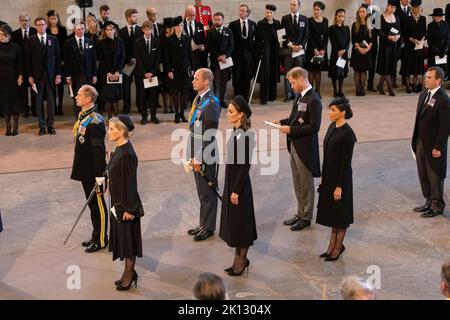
x=336 y=241
x=128 y=271
x=240 y=259
x=315 y=77
x=388 y=79
x=360 y=80
x=340 y=82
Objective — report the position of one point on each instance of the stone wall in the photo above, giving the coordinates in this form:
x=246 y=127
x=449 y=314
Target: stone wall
x=12 y=8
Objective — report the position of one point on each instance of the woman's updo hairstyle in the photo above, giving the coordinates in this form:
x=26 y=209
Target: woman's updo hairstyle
x=343 y=105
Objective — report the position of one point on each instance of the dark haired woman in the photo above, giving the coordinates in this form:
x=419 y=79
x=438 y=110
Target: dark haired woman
x=335 y=207
x=340 y=42
x=56 y=29
x=237 y=223
x=316 y=51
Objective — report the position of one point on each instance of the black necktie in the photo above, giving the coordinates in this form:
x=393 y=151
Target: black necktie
x=42 y=41
x=295 y=24
x=155 y=28
x=25 y=35
x=80 y=45
x=405 y=9
x=148 y=45
x=132 y=32
x=427 y=98
x=244 y=30
x=191 y=31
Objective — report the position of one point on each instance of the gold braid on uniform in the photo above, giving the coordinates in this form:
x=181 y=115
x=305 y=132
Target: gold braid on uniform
x=81 y=116
x=192 y=109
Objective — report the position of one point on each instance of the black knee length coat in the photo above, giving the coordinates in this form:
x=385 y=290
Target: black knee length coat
x=337 y=172
x=237 y=223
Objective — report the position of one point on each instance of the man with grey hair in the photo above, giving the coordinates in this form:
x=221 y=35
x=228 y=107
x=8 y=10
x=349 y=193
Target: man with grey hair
x=353 y=288
x=152 y=17
x=90 y=162
x=194 y=30
x=301 y=129
x=20 y=37
x=204 y=119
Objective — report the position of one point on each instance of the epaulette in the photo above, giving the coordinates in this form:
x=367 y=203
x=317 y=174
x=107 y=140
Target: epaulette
x=97 y=118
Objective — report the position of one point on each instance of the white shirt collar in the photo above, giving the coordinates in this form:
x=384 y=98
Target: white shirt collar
x=147 y=39
x=204 y=93
x=78 y=39
x=243 y=20
x=434 y=91
x=304 y=92
x=43 y=36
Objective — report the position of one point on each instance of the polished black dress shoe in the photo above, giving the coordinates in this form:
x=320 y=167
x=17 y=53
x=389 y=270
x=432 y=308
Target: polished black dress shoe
x=290 y=222
x=196 y=230
x=94 y=247
x=143 y=121
x=430 y=214
x=203 y=235
x=51 y=130
x=41 y=132
x=424 y=208
x=87 y=243
x=302 y=224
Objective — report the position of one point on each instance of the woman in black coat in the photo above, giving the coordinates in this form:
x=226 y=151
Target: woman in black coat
x=413 y=60
x=387 y=54
x=267 y=49
x=316 y=51
x=178 y=62
x=166 y=32
x=111 y=57
x=237 y=223
x=335 y=207
x=125 y=239
x=438 y=36
x=12 y=79
x=361 y=53
x=56 y=29
x=340 y=42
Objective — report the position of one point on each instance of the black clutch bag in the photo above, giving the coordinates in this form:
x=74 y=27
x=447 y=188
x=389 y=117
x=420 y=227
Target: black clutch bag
x=118 y=210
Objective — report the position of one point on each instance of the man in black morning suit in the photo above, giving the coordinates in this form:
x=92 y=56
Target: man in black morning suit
x=403 y=12
x=297 y=34
x=243 y=30
x=129 y=34
x=20 y=37
x=44 y=69
x=429 y=142
x=220 y=45
x=301 y=129
x=194 y=30
x=80 y=62
x=147 y=51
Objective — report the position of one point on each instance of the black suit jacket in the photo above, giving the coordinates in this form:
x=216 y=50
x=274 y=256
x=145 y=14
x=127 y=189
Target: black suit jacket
x=299 y=37
x=305 y=126
x=199 y=58
x=403 y=19
x=219 y=44
x=43 y=59
x=17 y=37
x=432 y=127
x=129 y=42
x=74 y=61
x=243 y=51
x=145 y=61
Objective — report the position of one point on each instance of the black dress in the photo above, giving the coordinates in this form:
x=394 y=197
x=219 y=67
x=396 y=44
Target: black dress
x=340 y=40
x=361 y=62
x=387 y=53
x=318 y=39
x=178 y=59
x=413 y=60
x=237 y=222
x=10 y=69
x=336 y=172
x=438 y=41
x=111 y=57
x=267 y=49
x=125 y=239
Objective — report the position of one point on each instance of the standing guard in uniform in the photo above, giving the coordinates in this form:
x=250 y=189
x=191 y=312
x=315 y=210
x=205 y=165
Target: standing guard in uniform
x=204 y=116
x=90 y=162
x=203 y=15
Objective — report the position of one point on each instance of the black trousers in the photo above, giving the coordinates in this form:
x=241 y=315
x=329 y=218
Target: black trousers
x=221 y=78
x=208 y=198
x=431 y=183
x=99 y=214
x=44 y=88
x=148 y=99
x=127 y=80
x=26 y=89
x=242 y=76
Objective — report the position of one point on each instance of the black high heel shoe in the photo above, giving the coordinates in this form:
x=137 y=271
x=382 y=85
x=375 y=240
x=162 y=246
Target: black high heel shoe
x=228 y=269
x=121 y=287
x=233 y=274
x=324 y=255
x=334 y=259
